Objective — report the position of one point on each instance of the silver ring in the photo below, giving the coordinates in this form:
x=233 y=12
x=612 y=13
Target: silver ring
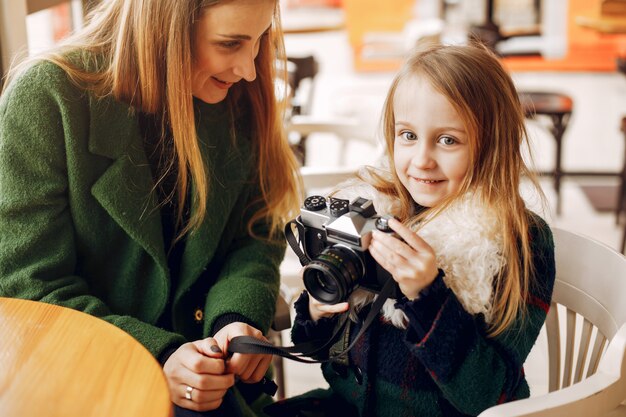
x=188 y=392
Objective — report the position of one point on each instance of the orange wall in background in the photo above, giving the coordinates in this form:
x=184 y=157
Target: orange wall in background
x=588 y=50
x=375 y=16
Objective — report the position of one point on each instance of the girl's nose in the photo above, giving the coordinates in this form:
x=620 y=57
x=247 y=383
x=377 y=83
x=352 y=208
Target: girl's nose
x=423 y=156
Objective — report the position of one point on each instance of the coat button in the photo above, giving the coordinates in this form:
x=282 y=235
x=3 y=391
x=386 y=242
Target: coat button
x=358 y=375
x=198 y=315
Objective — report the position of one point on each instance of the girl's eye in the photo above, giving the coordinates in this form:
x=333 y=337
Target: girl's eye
x=408 y=135
x=447 y=140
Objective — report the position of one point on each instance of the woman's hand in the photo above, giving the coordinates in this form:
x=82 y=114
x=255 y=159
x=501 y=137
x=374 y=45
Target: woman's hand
x=248 y=367
x=411 y=263
x=196 y=375
x=317 y=309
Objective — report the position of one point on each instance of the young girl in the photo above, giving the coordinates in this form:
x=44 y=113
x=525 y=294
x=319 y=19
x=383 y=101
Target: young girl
x=475 y=267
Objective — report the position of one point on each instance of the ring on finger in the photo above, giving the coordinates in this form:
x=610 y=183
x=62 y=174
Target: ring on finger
x=188 y=391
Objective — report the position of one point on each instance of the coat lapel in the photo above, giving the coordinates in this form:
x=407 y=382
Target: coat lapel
x=125 y=189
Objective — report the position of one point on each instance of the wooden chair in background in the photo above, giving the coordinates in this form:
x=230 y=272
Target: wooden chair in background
x=558 y=108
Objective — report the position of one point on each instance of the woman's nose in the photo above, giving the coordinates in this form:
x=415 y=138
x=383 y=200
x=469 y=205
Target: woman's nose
x=245 y=67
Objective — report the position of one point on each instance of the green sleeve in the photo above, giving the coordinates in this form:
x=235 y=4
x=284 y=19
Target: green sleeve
x=38 y=247
x=249 y=279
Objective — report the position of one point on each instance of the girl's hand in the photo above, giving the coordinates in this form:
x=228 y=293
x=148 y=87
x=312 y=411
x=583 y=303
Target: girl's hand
x=411 y=263
x=249 y=368
x=198 y=365
x=317 y=309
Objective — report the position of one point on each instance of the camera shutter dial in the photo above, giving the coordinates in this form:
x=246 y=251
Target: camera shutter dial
x=315 y=203
x=382 y=224
x=339 y=207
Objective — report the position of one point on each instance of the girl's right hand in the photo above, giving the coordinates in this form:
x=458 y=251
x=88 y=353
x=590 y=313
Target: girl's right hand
x=318 y=309
x=199 y=365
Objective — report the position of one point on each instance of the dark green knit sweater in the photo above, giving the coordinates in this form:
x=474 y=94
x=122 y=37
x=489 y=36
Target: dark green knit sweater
x=443 y=364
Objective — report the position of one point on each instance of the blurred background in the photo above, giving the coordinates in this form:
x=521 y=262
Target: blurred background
x=565 y=56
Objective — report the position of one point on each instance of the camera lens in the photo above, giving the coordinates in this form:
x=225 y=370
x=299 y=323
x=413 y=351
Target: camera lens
x=331 y=277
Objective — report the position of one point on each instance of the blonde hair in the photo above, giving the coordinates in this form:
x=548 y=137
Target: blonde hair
x=484 y=96
x=120 y=52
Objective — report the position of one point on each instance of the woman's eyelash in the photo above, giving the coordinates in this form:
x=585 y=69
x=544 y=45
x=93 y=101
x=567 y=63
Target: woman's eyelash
x=229 y=44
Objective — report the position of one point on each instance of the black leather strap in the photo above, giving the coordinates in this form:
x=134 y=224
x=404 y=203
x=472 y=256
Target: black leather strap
x=295 y=243
x=304 y=351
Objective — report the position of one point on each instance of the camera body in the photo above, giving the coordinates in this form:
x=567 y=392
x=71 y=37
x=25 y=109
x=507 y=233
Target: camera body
x=335 y=236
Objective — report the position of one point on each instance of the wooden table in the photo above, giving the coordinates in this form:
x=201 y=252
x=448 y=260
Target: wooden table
x=55 y=361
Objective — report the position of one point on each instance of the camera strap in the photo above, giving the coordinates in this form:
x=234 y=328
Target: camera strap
x=295 y=242
x=303 y=351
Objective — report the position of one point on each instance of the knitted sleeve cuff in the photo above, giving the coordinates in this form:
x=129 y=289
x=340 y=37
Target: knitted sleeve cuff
x=226 y=319
x=165 y=355
x=304 y=328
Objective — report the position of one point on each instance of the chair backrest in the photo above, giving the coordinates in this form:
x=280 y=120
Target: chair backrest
x=586 y=328
x=591 y=285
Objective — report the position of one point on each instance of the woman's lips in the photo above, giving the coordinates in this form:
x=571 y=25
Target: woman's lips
x=224 y=85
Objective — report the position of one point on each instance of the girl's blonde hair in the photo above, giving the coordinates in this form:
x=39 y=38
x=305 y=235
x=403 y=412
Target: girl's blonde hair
x=140 y=52
x=483 y=95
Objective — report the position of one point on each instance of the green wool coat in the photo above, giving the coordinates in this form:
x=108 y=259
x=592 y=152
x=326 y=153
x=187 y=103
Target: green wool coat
x=80 y=226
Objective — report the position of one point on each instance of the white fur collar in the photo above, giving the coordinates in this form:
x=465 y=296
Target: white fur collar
x=467 y=242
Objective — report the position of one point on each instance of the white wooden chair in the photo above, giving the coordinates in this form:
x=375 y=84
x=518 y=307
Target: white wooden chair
x=590 y=287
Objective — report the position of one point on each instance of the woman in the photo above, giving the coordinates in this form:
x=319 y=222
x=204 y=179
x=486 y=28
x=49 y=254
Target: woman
x=145 y=179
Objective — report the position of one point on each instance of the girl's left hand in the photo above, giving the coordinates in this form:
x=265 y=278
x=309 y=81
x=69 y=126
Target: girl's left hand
x=411 y=263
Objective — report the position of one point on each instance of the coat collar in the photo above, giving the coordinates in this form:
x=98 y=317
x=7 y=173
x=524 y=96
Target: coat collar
x=126 y=188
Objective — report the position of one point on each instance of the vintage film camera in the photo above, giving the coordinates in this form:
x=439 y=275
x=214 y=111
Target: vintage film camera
x=335 y=238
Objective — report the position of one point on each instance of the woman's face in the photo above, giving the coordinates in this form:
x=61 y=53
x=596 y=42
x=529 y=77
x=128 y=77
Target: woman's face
x=431 y=151
x=226 y=41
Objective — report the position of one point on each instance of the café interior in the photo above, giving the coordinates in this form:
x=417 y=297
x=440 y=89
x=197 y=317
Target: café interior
x=566 y=57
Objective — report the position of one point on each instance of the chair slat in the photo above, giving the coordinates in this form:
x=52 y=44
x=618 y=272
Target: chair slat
x=554 y=348
x=596 y=353
x=586 y=337
x=570 y=337
x=583 y=349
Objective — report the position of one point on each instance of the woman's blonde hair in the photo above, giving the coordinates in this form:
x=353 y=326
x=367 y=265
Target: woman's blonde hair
x=141 y=51
x=485 y=98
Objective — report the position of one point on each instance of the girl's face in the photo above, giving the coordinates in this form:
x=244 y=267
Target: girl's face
x=431 y=151
x=226 y=40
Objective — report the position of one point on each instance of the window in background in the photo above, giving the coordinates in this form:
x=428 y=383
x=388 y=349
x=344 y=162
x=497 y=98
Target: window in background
x=47 y=27
x=518 y=17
